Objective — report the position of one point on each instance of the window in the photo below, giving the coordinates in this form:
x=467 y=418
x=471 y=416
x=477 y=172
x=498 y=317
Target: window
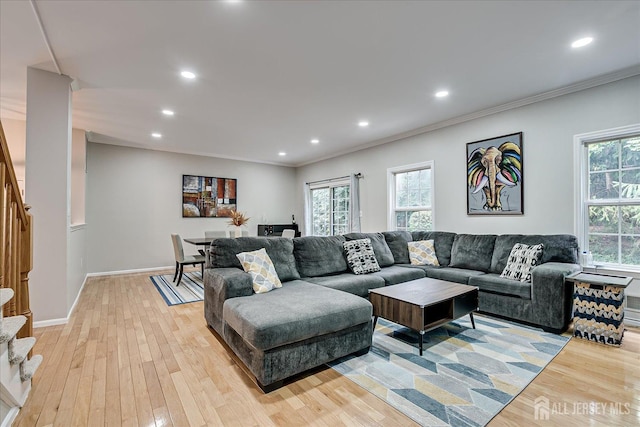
x=410 y=190
x=609 y=222
x=330 y=208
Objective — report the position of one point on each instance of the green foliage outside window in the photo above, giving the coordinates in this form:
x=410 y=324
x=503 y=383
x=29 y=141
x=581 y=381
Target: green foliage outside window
x=614 y=201
x=413 y=200
x=330 y=210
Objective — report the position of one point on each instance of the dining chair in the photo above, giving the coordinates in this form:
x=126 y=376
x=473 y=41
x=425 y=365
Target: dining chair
x=289 y=233
x=181 y=259
x=213 y=234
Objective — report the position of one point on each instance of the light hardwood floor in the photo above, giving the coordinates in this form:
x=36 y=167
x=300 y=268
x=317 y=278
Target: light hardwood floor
x=126 y=358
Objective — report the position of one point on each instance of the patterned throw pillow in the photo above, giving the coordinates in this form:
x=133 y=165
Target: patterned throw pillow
x=259 y=266
x=521 y=260
x=423 y=252
x=360 y=256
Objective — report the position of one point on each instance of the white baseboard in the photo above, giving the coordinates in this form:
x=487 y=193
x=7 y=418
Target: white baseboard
x=73 y=306
x=11 y=417
x=50 y=322
x=137 y=270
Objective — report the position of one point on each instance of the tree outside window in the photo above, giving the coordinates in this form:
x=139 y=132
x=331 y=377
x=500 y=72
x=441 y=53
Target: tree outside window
x=612 y=205
x=411 y=196
x=330 y=209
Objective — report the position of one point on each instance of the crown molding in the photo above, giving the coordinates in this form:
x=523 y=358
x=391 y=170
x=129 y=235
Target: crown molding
x=576 y=87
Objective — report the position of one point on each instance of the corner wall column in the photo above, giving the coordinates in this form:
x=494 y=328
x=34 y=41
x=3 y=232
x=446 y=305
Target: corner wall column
x=47 y=179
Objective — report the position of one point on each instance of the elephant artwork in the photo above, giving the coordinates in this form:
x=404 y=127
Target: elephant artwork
x=494 y=176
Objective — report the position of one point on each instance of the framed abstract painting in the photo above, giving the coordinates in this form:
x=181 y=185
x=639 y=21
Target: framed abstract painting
x=208 y=197
x=495 y=176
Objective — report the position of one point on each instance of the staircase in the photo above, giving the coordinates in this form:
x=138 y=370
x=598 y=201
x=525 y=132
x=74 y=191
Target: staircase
x=16 y=260
x=16 y=368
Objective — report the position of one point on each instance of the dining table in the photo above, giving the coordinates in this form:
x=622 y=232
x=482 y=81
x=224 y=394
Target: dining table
x=199 y=242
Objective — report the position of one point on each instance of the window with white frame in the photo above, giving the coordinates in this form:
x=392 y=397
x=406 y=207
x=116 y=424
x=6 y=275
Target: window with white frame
x=609 y=211
x=329 y=206
x=410 y=197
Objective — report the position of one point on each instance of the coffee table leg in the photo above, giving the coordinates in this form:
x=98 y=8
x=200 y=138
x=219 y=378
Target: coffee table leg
x=472 y=322
x=375 y=320
x=421 y=337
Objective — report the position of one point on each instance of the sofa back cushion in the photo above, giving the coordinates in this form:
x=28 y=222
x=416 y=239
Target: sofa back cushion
x=472 y=251
x=380 y=248
x=397 y=242
x=319 y=256
x=442 y=241
x=222 y=253
x=557 y=248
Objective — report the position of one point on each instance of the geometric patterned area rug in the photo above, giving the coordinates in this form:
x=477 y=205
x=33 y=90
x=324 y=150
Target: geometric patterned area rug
x=190 y=289
x=465 y=376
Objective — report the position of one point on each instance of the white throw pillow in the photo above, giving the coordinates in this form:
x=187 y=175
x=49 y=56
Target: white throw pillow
x=521 y=260
x=360 y=256
x=423 y=252
x=259 y=266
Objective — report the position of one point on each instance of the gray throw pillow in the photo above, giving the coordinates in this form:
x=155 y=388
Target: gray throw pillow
x=360 y=256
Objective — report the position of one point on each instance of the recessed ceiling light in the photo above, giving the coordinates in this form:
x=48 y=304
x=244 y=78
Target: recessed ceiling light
x=442 y=94
x=315 y=141
x=363 y=123
x=581 y=42
x=188 y=74
x=168 y=112
x=282 y=153
x=156 y=135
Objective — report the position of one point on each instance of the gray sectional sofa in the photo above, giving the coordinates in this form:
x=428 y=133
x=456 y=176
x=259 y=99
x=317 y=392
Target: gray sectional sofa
x=322 y=312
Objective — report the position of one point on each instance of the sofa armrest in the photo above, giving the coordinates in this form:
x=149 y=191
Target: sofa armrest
x=550 y=295
x=220 y=284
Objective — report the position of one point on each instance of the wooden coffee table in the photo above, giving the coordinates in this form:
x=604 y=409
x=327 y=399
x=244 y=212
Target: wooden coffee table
x=424 y=304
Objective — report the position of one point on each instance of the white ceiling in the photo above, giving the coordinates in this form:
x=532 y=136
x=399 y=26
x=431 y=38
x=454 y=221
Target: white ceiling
x=272 y=75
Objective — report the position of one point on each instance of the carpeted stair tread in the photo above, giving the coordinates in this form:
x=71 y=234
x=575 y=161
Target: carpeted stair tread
x=5 y=295
x=19 y=349
x=10 y=327
x=29 y=367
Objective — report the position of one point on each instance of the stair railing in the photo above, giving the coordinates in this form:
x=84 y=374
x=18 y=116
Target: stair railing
x=16 y=243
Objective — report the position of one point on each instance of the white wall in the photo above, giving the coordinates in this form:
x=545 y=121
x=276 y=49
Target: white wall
x=76 y=263
x=548 y=128
x=134 y=203
x=78 y=168
x=48 y=158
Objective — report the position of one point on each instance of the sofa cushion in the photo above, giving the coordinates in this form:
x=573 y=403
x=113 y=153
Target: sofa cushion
x=423 y=252
x=442 y=241
x=319 y=256
x=349 y=282
x=458 y=275
x=397 y=242
x=521 y=260
x=360 y=256
x=260 y=268
x=472 y=251
x=295 y=312
x=222 y=253
x=497 y=285
x=557 y=248
x=395 y=274
x=379 y=244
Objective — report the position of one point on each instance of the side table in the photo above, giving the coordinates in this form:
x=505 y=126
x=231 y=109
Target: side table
x=598 y=306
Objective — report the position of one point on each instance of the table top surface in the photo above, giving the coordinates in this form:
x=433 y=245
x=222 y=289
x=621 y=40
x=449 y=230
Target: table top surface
x=600 y=279
x=424 y=292
x=200 y=240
